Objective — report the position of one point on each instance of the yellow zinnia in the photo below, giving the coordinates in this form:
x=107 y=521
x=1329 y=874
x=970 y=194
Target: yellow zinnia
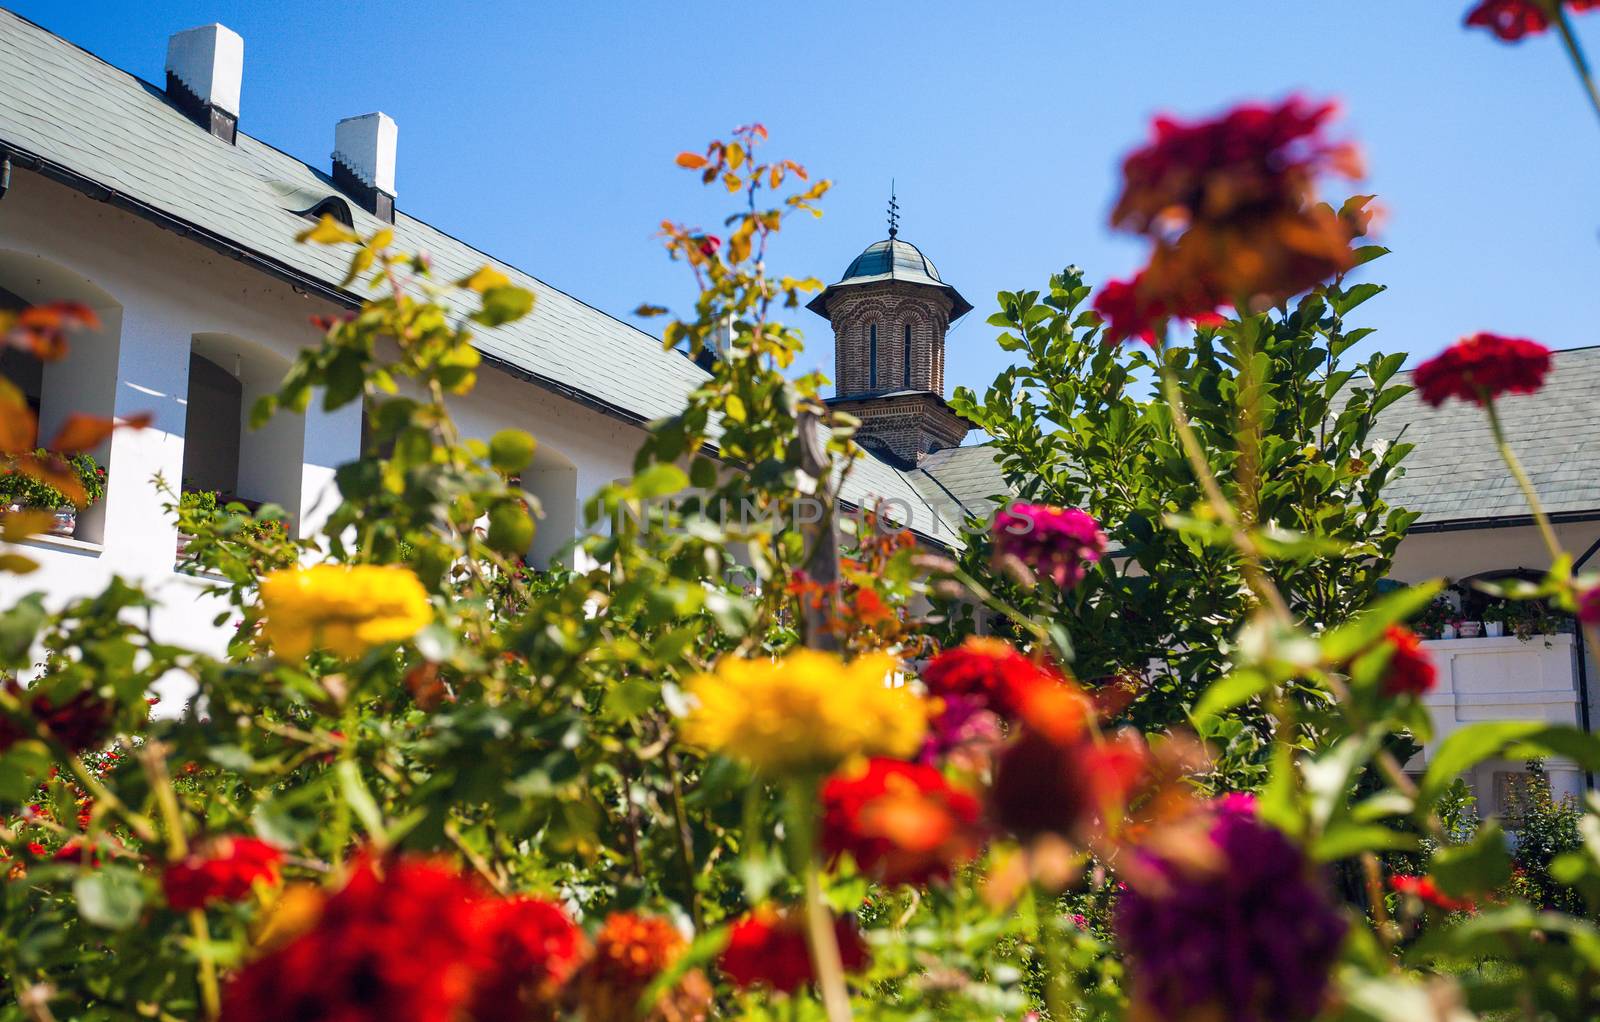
x=805 y=713
x=344 y=609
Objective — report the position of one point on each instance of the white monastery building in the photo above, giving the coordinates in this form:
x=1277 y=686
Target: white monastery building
x=150 y=203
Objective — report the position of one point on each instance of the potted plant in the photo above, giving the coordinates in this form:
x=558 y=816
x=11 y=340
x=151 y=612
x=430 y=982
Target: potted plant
x=195 y=509
x=206 y=511
x=1496 y=615
x=1437 y=620
x=20 y=491
x=1469 y=629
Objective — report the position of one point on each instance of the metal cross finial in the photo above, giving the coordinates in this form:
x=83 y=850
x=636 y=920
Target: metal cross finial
x=894 y=211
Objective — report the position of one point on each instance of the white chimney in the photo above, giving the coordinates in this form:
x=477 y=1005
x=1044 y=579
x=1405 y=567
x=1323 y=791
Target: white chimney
x=205 y=68
x=364 y=160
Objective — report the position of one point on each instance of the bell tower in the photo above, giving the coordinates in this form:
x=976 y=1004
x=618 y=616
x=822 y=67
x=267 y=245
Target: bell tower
x=890 y=313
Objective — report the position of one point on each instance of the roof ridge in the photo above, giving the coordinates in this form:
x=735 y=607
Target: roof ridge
x=323 y=174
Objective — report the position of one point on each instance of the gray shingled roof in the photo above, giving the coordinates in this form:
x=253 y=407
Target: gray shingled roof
x=966 y=480
x=69 y=113
x=1455 y=475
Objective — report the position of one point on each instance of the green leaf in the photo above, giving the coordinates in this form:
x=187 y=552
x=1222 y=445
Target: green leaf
x=504 y=304
x=359 y=798
x=111 y=897
x=1327 y=778
x=1231 y=690
x=23 y=767
x=1477 y=742
x=1347 y=838
x=659 y=480
x=1482 y=865
x=510 y=451
x=1367 y=627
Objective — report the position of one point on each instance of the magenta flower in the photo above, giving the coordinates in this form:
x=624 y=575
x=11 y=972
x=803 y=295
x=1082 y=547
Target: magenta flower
x=1589 y=605
x=1252 y=939
x=1057 y=543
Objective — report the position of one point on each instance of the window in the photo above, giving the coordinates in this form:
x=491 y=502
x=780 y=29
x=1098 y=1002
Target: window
x=221 y=454
x=21 y=367
x=872 y=357
x=906 y=357
x=331 y=206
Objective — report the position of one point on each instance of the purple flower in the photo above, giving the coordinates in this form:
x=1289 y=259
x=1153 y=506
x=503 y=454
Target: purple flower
x=1058 y=543
x=1252 y=939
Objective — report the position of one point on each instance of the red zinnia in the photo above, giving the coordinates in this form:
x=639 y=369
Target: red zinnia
x=768 y=948
x=1482 y=367
x=227 y=869
x=1513 y=19
x=400 y=945
x=1131 y=312
x=80 y=722
x=902 y=822
x=989 y=670
x=535 y=948
x=1425 y=889
x=1253 y=159
x=1046 y=785
x=1410 y=671
x=630 y=951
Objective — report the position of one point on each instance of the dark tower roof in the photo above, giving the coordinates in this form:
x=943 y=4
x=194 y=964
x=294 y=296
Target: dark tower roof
x=891 y=259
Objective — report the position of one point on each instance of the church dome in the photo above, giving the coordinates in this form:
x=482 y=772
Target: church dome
x=891 y=260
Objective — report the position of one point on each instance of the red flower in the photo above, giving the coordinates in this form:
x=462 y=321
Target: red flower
x=768 y=948
x=535 y=948
x=1047 y=786
x=80 y=722
x=708 y=244
x=1132 y=313
x=1410 y=671
x=36 y=850
x=1253 y=159
x=630 y=951
x=227 y=869
x=78 y=852
x=1425 y=889
x=902 y=822
x=402 y=942
x=1482 y=367
x=1513 y=19
x=989 y=670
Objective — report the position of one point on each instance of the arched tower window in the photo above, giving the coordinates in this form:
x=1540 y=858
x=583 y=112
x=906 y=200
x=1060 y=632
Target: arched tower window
x=872 y=357
x=906 y=357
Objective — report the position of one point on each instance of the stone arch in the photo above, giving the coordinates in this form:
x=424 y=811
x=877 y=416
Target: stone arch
x=552 y=477
x=83 y=381
x=221 y=453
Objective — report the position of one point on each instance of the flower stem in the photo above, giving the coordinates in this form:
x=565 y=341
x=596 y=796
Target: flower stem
x=152 y=759
x=801 y=799
x=1255 y=576
x=1580 y=64
x=824 y=947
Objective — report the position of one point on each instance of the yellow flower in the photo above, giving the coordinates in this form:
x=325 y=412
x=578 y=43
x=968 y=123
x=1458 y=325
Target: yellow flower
x=346 y=610
x=805 y=713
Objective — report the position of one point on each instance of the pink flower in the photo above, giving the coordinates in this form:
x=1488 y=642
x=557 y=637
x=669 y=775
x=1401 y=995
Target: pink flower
x=1058 y=543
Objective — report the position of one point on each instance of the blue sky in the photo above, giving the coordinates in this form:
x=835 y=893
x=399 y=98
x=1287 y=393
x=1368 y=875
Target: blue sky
x=544 y=133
